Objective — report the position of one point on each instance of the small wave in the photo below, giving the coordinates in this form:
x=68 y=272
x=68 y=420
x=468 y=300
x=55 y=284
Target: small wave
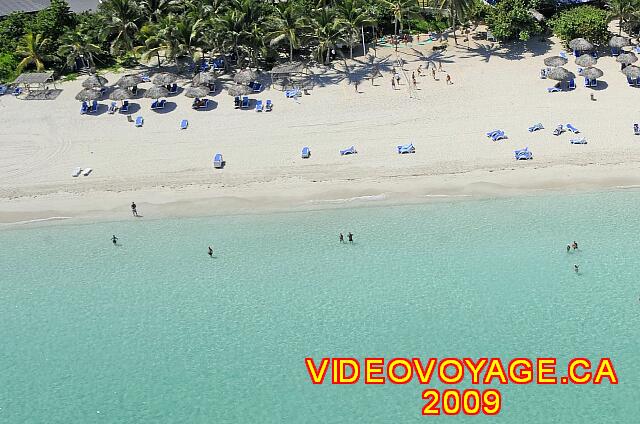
x=351 y=199
x=31 y=221
x=628 y=186
x=446 y=195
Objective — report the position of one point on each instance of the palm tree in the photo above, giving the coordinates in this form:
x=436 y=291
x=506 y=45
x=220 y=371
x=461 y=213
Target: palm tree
x=33 y=49
x=623 y=10
x=401 y=9
x=120 y=24
x=74 y=45
x=286 y=24
x=457 y=9
x=153 y=10
x=230 y=30
x=327 y=32
x=155 y=42
x=353 y=17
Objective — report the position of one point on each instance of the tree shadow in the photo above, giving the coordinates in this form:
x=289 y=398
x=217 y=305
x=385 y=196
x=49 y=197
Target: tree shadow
x=508 y=50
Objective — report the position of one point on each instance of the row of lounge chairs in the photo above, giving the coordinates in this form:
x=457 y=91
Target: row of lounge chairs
x=633 y=82
x=200 y=103
x=79 y=171
x=569 y=127
x=85 y=108
x=158 y=104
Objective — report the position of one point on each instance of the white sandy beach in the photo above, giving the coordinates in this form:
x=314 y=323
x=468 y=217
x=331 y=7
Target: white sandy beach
x=167 y=171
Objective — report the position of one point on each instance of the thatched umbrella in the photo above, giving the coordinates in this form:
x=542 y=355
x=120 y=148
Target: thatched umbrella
x=164 y=78
x=245 y=77
x=618 y=42
x=239 y=90
x=121 y=94
x=580 y=44
x=627 y=58
x=88 y=94
x=554 y=61
x=204 y=78
x=129 y=81
x=156 y=92
x=586 y=60
x=94 y=81
x=632 y=71
x=196 y=91
x=592 y=73
x=560 y=74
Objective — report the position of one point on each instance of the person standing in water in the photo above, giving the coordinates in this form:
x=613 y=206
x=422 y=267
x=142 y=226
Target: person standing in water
x=568 y=248
x=341 y=238
x=350 y=237
x=574 y=245
x=134 y=209
x=576 y=268
x=210 y=252
x=114 y=240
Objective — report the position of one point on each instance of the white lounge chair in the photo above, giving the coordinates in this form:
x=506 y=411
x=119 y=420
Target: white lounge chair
x=87 y=172
x=76 y=172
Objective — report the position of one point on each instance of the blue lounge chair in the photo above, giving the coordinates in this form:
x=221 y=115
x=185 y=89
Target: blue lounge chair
x=290 y=94
x=3 y=90
x=154 y=104
x=212 y=87
x=553 y=89
x=573 y=129
x=523 y=154
x=580 y=71
x=255 y=86
x=145 y=78
x=125 y=106
x=593 y=83
x=615 y=51
x=638 y=81
x=536 y=127
x=306 y=153
x=259 y=106
x=406 y=148
x=631 y=82
x=636 y=129
x=218 y=162
x=17 y=91
x=563 y=54
x=572 y=84
x=84 y=108
x=94 y=106
x=245 y=103
x=112 y=108
x=587 y=82
x=348 y=151
x=139 y=121
x=184 y=124
x=173 y=89
x=594 y=54
x=580 y=140
x=237 y=102
x=269 y=106
x=559 y=130
x=161 y=104
x=496 y=135
x=493 y=132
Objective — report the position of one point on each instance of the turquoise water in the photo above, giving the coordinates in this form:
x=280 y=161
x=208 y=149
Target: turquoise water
x=154 y=331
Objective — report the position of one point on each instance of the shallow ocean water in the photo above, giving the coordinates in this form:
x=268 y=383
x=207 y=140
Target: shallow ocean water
x=155 y=331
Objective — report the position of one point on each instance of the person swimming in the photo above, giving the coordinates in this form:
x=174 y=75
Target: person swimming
x=114 y=239
x=576 y=268
x=574 y=245
x=210 y=252
x=568 y=248
x=341 y=238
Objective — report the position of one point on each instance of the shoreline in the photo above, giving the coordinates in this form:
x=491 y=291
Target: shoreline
x=294 y=195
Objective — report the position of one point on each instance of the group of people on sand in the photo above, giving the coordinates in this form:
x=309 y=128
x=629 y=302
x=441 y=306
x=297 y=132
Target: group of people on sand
x=349 y=238
x=395 y=80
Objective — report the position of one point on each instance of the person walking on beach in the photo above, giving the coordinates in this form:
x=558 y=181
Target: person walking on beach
x=134 y=209
x=413 y=79
x=420 y=70
x=356 y=85
x=210 y=252
x=393 y=83
x=341 y=238
x=433 y=72
x=440 y=65
x=397 y=78
x=350 y=237
x=114 y=240
x=449 y=79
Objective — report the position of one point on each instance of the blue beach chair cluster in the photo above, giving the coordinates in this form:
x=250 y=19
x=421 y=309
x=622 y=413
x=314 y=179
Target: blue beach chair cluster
x=523 y=154
x=290 y=94
x=200 y=103
x=633 y=82
x=636 y=129
x=578 y=140
x=158 y=104
x=218 y=162
x=348 y=151
x=536 y=127
x=3 y=90
x=255 y=86
x=569 y=127
x=590 y=82
x=406 y=148
x=86 y=108
x=267 y=106
x=125 y=107
x=496 y=135
x=112 y=108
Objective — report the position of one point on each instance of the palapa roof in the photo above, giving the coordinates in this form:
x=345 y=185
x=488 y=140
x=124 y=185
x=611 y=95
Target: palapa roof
x=34 y=78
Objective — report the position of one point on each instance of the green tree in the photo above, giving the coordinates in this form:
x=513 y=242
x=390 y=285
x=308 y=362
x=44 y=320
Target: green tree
x=327 y=32
x=456 y=10
x=286 y=23
x=33 y=49
x=120 y=24
x=588 y=22
x=401 y=9
x=511 y=20
x=623 y=11
x=53 y=21
x=8 y=66
x=353 y=17
x=77 y=44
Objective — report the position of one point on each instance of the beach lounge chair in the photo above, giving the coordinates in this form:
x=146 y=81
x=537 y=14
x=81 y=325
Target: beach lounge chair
x=87 y=171
x=139 y=121
x=580 y=71
x=134 y=90
x=587 y=82
x=237 y=102
x=184 y=124
x=636 y=129
x=631 y=82
x=580 y=140
x=496 y=135
x=173 y=89
x=112 y=108
x=125 y=106
x=593 y=83
x=76 y=172
x=94 y=106
x=256 y=86
x=145 y=78
x=245 y=103
x=348 y=151
x=217 y=161
x=553 y=89
x=161 y=104
x=572 y=84
x=573 y=129
x=638 y=81
x=559 y=130
x=3 y=90
x=523 y=154
x=17 y=91
x=269 y=106
x=259 y=106
x=536 y=127
x=615 y=51
x=154 y=104
x=290 y=94
x=306 y=153
x=563 y=55
x=212 y=87
x=406 y=148
x=84 y=108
